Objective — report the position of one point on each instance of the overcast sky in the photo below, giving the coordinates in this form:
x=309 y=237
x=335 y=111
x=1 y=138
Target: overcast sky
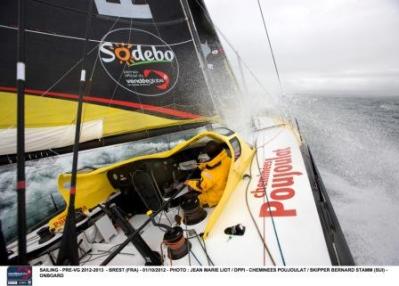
x=321 y=46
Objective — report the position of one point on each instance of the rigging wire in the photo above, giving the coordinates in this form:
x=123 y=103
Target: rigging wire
x=78 y=62
x=123 y=69
x=58 y=35
x=49 y=34
x=96 y=60
x=174 y=68
x=271 y=47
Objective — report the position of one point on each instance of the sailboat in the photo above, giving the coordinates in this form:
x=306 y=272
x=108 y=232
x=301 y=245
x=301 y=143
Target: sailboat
x=152 y=70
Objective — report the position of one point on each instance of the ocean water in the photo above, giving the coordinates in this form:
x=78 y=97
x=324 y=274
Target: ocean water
x=355 y=142
x=42 y=197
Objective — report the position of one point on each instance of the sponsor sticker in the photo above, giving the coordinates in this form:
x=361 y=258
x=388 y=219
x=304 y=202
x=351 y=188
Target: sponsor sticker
x=139 y=61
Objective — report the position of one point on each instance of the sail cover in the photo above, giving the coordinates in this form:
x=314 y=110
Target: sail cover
x=144 y=71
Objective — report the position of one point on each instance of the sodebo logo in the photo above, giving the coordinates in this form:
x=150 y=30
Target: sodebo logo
x=139 y=61
x=126 y=53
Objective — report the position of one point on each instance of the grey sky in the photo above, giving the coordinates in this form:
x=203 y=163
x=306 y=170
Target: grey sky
x=321 y=46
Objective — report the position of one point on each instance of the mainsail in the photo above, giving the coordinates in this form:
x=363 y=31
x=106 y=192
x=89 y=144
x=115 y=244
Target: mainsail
x=145 y=73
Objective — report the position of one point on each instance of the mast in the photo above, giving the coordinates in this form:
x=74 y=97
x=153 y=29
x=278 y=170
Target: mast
x=68 y=253
x=21 y=200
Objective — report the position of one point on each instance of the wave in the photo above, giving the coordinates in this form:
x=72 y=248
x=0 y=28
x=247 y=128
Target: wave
x=355 y=146
x=390 y=106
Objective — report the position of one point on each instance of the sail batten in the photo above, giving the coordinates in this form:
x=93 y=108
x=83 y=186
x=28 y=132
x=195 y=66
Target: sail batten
x=109 y=103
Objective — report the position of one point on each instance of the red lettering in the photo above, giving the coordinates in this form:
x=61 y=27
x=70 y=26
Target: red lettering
x=288 y=174
x=282 y=182
x=283 y=152
x=261 y=187
x=283 y=178
x=283 y=161
x=284 y=168
x=259 y=192
x=275 y=208
x=282 y=194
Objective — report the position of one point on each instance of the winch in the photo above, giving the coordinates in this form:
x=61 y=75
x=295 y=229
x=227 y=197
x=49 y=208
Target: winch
x=177 y=244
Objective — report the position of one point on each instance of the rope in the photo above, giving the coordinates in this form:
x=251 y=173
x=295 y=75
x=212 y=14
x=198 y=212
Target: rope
x=253 y=219
x=188 y=247
x=200 y=238
x=199 y=262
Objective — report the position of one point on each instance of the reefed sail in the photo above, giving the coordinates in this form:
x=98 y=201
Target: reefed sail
x=144 y=70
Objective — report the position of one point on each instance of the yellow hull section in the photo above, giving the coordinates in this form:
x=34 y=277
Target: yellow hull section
x=94 y=188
